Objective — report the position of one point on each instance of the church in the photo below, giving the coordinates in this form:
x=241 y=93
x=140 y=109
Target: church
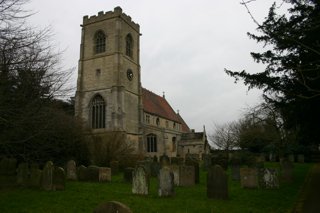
x=110 y=97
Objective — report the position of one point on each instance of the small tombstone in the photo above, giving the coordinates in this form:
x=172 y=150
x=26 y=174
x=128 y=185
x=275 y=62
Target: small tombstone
x=35 y=177
x=154 y=169
x=186 y=176
x=112 y=207
x=59 y=179
x=114 y=165
x=93 y=173
x=23 y=174
x=164 y=160
x=268 y=178
x=249 y=178
x=193 y=162
x=287 y=170
x=82 y=173
x=71 y=170
x=175 y=170
x=140 y=181
x=166 y=183
x=127 y=174
x=300 y=158
x=217 y=183
x=47 y=176
x=104 y=174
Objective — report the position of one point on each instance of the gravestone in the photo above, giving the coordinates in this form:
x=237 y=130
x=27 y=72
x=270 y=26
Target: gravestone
x=93 y=173
x=154 y=169
x=175 y=170
x=193 y=162
x=300 y=158
x=286 y=170
x=217 y=183
x=127 y=174
x=104 y=174
x=268 y=178
x=166 y=182
x=146 y=165
x=82 y=173
x=35 y=177
x=249 y=178
x=235 y=168
x=114 y=165
x=59 y=179
x=164 y=160
x=186 y=176
x=71 y=170
x=140 y=181
x=47 y=176
x=23 y=174
x=112 y=207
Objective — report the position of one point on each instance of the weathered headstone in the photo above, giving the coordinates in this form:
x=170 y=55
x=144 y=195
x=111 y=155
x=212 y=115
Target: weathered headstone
x=59 y=179
x=300 y=158
x=127 y=174
x=23 y=174
x=166 y=182
x=164 y=160
x=93 y=173
x=114 y=165
x=176 y=177
x=146 y=165
x=140 y=181
x=193 y=162
x=217 y=183
x=104 y=174
x=249 y=178
x=71 y=170
x=82 y=173
x=287 y=170
x=112 y=207
x=268 y=178
x=47 y=176
x=186 y=176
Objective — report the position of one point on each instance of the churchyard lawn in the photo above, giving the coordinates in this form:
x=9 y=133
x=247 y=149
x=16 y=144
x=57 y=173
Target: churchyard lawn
x=84 y=197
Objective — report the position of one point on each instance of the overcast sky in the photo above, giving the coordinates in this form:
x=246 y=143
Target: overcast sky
x=185 y=46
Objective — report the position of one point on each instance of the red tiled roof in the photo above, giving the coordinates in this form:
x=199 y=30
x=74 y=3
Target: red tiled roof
x=157 y=105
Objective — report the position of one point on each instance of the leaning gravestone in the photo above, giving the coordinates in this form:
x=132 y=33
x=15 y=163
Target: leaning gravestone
x=140 y=181
x=249 y=178
x=166 y=183
x=268 y=178
x=59 y=179
x=217 y=183
x=186 y=176
x=71 y=170
x=47 y=176
x=104 y=174
x=175 y=170
x=287 y=170
x=82 y=173
x=23 y=174
x=127 y=174
x=112 y=207
x=164 y=160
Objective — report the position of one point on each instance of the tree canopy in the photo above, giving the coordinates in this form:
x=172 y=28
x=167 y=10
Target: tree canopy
x=291 y=79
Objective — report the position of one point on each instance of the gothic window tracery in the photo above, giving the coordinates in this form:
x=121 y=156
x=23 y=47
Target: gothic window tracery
x=129 y=45
x=98 y=113
x=151 y=143
x=100 y=42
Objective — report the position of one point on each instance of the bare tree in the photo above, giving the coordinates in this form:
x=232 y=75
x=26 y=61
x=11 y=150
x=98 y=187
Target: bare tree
x=225 y=136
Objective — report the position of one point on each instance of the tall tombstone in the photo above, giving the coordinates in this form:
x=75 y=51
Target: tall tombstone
x=71 y=170
x=190 y=161
x=23 y=174
x=82 y=173
x=186 y=176
x=164 y=160
x=249 y=178
x=112 y=207
x=286 y=170
x=166 y=182
x=217 y=183
x=176 y=177
x=140 y=181
x=268 y=178
x=114 y=165
x=104 y=174
x=127 y=174
x=59 y=179
x=47 y=176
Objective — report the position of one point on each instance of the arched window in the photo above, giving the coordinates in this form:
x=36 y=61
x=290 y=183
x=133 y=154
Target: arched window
x=98 y=113
x=129 y=45
x=99 y=42
x=151 y=143
x=174 y=144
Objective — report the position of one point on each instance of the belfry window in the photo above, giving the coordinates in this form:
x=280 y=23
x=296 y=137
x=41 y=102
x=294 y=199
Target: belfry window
x=129 y=45
x=98 y=113
x=151 y=143
x=100 y=42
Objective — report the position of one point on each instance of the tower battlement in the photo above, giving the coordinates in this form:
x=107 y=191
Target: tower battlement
x=117 y=12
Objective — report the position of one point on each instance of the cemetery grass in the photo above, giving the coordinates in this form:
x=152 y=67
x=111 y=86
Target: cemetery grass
x=84 y=197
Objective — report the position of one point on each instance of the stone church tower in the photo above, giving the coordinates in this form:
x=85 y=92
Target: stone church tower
x=108 y=96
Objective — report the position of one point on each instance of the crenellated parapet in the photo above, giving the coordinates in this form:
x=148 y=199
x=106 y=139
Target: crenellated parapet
x=117 y=12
